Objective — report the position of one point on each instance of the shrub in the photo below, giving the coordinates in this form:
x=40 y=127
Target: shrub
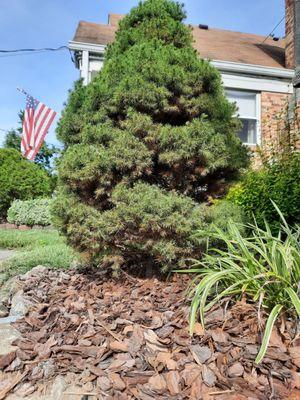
x=148 y=140
x=30 y=212
x=20 y=179
x=277 y=181
x=222 y=212
x=263 y=266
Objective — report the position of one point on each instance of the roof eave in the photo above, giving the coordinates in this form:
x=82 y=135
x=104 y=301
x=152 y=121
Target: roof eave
x=221 y=65
x=252 y=69
x=81 y=46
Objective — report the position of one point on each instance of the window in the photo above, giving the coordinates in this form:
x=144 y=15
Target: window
x=248 y=112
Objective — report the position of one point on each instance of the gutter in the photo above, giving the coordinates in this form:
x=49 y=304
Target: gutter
x=249 y=69
x=80 y=46
x=223 y=66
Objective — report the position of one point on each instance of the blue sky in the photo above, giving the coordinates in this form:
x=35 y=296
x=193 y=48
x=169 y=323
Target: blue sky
x=52 y=23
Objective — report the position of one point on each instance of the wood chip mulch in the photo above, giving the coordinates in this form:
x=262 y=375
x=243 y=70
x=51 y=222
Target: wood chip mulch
x=128 y=339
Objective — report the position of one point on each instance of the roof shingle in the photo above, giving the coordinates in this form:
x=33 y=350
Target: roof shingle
x=214 y=44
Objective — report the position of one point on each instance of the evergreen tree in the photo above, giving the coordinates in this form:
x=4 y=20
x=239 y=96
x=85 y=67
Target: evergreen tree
x=145 y=143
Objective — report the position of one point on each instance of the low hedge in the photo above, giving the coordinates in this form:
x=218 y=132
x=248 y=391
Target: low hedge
x=30 y=212
x=21 y=179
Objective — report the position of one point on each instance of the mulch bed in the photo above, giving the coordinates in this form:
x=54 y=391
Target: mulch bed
x=128 y=339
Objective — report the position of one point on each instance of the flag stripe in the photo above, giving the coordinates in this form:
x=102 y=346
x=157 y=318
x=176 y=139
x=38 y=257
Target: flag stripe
x=40 y=125
x=41 y=137
x=37 y=121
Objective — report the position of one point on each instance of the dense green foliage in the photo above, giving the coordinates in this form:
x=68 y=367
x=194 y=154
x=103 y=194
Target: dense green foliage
x=277 y=181
x=44 y=157
x=34 y=247
x=20 y=179
x=264 y=267
x=148 y=140
x=30 y=212
x=223 y=211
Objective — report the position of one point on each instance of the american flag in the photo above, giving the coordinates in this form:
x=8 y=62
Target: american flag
x=37 y=121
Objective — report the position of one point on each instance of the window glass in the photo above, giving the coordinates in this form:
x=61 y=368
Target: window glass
x=248 y=132
x=246 y=102
x=247 y=112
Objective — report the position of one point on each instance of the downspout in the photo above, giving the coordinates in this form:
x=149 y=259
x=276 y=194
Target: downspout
x=296 y=80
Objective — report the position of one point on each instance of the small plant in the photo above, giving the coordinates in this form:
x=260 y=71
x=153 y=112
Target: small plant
x=277 y=180
x=264 y=267
x=30 y=212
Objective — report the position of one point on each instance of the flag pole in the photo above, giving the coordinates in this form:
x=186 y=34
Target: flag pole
x=22 y=91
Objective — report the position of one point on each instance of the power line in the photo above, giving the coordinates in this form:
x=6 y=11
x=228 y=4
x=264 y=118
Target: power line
x=42 y=49
x=270 y=34
x=23 y=52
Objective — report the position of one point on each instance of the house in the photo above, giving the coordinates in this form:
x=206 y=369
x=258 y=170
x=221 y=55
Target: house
x=258 y=72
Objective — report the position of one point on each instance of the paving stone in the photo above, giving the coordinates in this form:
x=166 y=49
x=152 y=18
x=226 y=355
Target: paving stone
x=5 y=254
x=19 y=304
x=3 y=311
x=7 y=335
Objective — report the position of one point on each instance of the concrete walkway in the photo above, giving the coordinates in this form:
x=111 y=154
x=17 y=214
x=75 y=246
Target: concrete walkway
x=5 y=254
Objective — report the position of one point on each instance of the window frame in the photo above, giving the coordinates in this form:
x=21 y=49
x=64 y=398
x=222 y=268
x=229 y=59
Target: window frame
x=258 y=113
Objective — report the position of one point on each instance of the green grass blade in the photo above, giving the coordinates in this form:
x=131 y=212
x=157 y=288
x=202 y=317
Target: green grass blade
x=269 y=326
x=295 y=299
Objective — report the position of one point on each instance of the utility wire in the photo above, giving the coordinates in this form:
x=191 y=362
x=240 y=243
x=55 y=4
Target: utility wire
x=270 y=34
x=42 y=49
x=23 y=52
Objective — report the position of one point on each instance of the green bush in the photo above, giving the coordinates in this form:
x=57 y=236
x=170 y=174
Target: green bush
x=222 y=212
x=264 y=267
x=149 y=139
x=20 y=179
x=30 y=212
x=277 y=181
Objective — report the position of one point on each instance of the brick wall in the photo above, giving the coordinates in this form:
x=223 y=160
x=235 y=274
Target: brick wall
x=276 y=128
x=290 y=33
x=295 y=126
